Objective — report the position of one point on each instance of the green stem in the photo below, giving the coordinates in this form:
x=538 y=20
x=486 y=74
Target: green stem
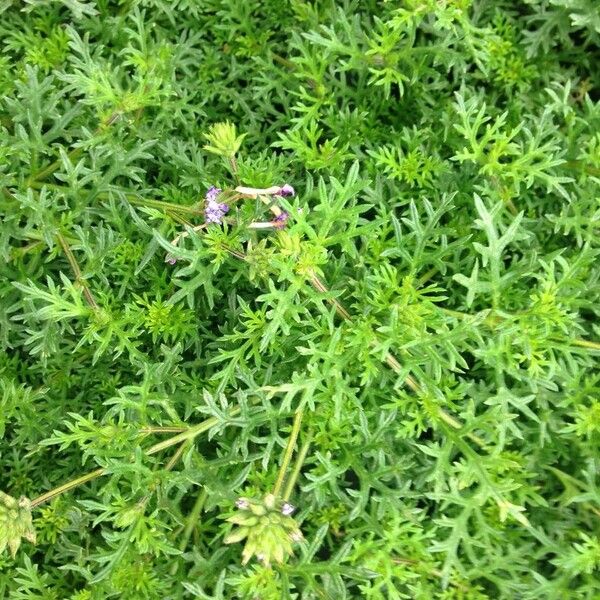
x=410 y=381
x=191 y=521
x=587 y=344
x=40 y=175
x=65 y=487
x=426 y=277
x=23 y=250
x=578 y=165
x=321 y=287
x=163 y=429
x=77 y=272
x=168 y=467
x=429 y=569
x=283 y=61
x=72 y=154
x=173 y=460
x=287 y=457
x=511 y=207
x=493 y=319
x=393 y=363
x=288 y=64
x=132 y=198
x=193 y=518
x=289 y=488
x=188 y=434
x=234 y=169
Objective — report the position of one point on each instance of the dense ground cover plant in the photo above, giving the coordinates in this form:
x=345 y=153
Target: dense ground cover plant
x=299 y=299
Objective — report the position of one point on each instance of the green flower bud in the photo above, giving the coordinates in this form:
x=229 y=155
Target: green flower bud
x=223 y=140
x=267 y=527
x=129 y=515
x=15 y=522
x=243 y=518
x=258 y=509
x=237 y=535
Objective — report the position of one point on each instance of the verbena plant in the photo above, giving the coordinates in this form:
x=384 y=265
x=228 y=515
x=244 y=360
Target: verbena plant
x=299 y=299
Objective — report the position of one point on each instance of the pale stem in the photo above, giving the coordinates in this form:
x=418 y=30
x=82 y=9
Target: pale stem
x=287 y=457
x=289 y=488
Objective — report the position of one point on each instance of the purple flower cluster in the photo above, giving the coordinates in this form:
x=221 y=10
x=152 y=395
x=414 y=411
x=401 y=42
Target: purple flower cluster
x=286 y=191
x=214 y=211
x=280 y=221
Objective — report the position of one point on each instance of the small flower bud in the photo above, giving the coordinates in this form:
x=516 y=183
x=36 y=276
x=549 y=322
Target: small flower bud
x=287 y=509
x=270 y=501
x=296 y=536
x=286 y=191
x=242 y=503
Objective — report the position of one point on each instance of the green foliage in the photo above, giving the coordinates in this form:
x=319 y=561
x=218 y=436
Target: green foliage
x=403 y=344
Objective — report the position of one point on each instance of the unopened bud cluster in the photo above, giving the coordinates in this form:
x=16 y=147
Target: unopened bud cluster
x=268 y=528
x=15 y=522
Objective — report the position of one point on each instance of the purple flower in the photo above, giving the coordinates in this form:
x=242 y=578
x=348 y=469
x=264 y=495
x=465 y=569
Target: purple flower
x=280 y=220
x=212 y=193
x=287 y=509
x=242 y=503
x=286 y=190
x=170 y=259
x=214 y=211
